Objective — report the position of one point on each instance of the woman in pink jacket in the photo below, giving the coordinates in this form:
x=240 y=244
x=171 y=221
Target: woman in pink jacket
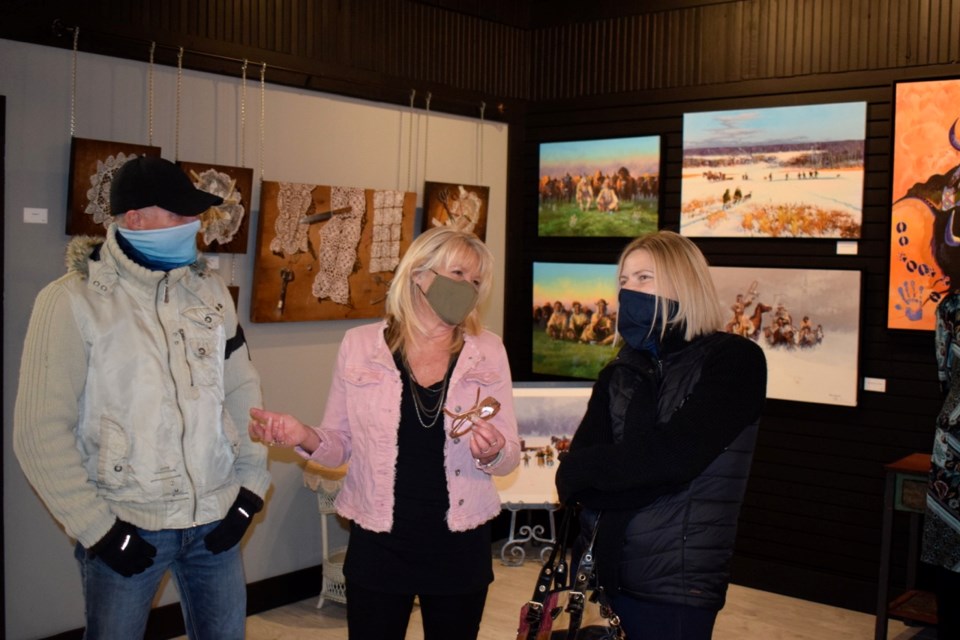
x=421 y=407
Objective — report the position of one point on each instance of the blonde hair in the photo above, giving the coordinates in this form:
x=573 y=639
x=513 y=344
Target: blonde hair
x=680 y=264
x=437 y=249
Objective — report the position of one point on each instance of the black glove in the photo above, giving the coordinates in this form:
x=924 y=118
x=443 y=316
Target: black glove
x=235 y=523
x=123 y=550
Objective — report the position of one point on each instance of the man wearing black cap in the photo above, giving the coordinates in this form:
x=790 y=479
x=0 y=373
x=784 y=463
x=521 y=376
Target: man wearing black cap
x=134 y=378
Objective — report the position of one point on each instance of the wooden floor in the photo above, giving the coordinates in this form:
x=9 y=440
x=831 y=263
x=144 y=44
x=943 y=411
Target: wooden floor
x=749 y=614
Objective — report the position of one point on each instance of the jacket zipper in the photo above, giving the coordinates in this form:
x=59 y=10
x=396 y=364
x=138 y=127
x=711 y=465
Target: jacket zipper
x=165 y=283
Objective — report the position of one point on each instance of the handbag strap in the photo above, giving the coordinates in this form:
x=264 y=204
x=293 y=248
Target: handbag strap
x=577 y=599
x=553 y=576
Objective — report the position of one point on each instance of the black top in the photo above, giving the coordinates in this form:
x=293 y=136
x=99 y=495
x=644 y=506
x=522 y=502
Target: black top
x=420 y=554
x=659 y=453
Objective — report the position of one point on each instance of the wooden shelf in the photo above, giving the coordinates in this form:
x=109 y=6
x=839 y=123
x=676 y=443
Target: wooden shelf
x=915 y=605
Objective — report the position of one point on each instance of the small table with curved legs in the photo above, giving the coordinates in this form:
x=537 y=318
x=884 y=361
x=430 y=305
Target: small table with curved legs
x=513 y=553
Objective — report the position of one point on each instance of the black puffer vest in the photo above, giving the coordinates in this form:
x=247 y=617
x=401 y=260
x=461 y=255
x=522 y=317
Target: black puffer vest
x=678 y=548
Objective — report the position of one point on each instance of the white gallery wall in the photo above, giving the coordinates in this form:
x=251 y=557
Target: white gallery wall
x=307 y=137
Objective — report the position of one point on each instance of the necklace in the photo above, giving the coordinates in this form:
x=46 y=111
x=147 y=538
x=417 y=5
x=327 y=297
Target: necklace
x=426 y=416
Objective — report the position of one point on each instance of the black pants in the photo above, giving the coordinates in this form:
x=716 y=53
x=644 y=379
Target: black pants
x=374 y=615
x=657 y=621
x=948 y=603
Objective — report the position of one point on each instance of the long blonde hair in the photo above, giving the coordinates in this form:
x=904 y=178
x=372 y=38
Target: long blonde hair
x=437 y=249
x=680 y=264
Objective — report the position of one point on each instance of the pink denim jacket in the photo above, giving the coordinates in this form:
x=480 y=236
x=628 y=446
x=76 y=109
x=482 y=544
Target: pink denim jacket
x=362 y=418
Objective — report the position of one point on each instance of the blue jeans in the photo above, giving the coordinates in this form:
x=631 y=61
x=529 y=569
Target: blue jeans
x=212 y=589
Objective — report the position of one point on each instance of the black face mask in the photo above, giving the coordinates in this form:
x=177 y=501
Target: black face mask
x=639 y=319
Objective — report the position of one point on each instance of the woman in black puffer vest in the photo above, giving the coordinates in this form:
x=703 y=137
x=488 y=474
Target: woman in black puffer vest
x=663 y=453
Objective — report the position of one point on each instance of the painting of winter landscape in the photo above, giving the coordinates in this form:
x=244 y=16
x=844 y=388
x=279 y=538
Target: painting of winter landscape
x=548 y=414
x=808 y=323
x=781 y=172
x=599 y=188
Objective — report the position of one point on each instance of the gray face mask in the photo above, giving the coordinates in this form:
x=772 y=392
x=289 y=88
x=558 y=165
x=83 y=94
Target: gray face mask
x=452 y=300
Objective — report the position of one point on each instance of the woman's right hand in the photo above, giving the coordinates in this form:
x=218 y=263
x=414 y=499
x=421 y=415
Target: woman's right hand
x=280 y=429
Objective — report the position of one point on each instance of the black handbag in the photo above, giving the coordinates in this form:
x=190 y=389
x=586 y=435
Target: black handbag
x=554 y=584
x=538 y=614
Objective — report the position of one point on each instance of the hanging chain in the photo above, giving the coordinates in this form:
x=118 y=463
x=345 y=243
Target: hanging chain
x=73 y=82
x=176 y=144
x=233 y=269
x=426 y=136
x=153 y=48
x=263 y=106
x=413 y=95
x=243 y=113
x=483 y=107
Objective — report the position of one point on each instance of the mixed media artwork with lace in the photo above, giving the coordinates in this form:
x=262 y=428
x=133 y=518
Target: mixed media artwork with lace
x=92 y=165
x=461 y=206
x=327 y=252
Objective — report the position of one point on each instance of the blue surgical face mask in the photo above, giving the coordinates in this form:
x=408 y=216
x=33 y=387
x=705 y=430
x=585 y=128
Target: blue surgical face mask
x=639 y=319
x=168 y=248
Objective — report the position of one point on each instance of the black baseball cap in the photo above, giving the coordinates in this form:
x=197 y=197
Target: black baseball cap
x=149 y=181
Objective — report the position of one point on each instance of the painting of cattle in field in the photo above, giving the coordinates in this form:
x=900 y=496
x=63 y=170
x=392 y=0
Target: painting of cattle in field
x=806 y=320
x=781 y=172
x=574 y=318
x=924 y=234
x=599 y=188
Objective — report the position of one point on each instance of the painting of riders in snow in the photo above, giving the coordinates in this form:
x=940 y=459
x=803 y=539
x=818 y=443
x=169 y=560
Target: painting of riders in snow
x=780 y=172
x=806 y=320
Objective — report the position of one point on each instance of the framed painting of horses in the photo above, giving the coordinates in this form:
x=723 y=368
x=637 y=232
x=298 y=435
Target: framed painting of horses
x=780 y=172
x=599 y=188
x=548 y=414
x=924 y=236
x=574 y=317
x=808 y=323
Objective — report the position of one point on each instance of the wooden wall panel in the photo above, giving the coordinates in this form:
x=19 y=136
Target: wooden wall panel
x=368 y=48
x=743 y=40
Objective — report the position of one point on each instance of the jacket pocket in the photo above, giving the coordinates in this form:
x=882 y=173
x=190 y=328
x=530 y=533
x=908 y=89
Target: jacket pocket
x=204 y=317
x=484 y=378
x=113 y=461
x=362 y=376
x=203 y=361
x=231 y=433
x=365 y=392
x=203 y=338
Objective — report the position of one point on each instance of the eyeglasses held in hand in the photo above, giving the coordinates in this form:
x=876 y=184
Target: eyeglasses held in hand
x=463 y=422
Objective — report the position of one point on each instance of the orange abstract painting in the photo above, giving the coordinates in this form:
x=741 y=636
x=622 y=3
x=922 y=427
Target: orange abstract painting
x=924 y=243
